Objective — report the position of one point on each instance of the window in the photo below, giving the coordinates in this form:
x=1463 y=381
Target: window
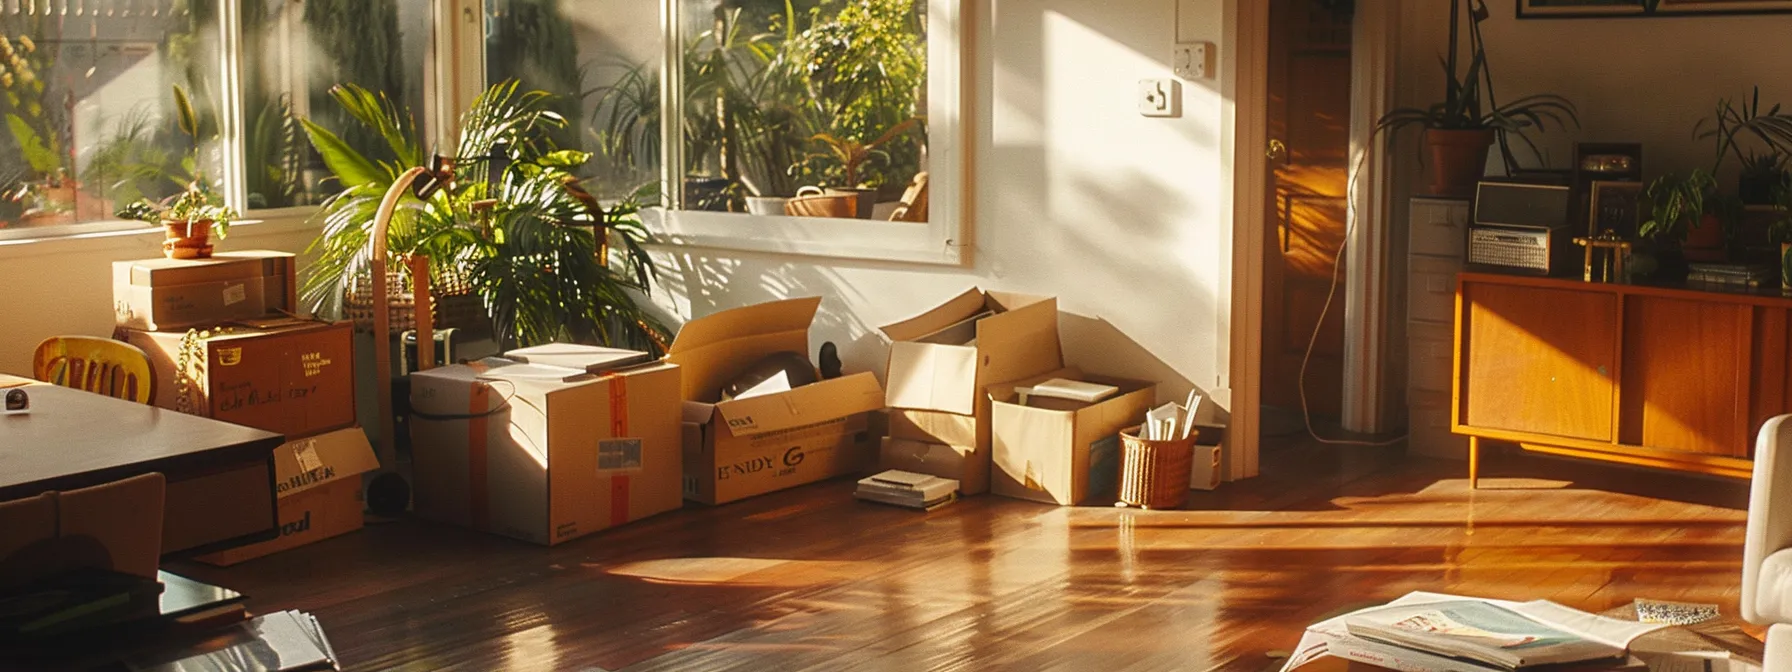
x=826 y=127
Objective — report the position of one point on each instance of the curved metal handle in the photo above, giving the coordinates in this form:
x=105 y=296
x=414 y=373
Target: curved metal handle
x=1277 y=150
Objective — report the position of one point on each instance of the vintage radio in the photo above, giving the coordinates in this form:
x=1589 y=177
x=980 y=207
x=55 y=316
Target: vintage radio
x=1522 y=228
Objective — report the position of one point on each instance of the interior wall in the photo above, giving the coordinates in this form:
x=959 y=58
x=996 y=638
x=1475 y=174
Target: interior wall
x=1125 y=218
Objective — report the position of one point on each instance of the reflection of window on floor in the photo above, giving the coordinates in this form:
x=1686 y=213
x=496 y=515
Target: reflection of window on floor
x=89 y=96
x=777 y=96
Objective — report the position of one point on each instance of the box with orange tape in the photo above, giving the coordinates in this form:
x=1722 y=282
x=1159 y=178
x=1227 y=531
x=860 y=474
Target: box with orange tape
x=545 y=453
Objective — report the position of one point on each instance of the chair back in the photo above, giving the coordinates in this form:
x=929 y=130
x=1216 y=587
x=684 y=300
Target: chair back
x=99 y=365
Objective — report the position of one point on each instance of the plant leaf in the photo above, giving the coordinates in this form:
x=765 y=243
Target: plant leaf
x=350 y=167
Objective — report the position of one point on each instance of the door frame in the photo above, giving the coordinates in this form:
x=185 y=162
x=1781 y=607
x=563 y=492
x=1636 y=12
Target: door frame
x=1365 y=286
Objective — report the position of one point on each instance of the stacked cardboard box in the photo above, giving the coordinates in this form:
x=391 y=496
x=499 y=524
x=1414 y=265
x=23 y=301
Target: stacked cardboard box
x=256 y=366
x=543 y=453
x=1059 y=451
x=744 y=447
x=942 y=364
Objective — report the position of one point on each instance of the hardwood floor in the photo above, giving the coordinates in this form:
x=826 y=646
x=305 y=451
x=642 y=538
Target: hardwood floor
x=810 y=579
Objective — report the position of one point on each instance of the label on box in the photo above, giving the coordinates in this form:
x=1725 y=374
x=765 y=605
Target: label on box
x=307 y=456
x=1104 y=465
x=618 y=454
x=235 y=294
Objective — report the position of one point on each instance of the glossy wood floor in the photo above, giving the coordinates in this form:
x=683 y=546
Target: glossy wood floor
x=809 y=579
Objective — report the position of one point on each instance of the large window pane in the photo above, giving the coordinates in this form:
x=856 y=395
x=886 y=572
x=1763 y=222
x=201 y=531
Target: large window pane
x=809 y=94
x=88 y=105
x=602 y=59
x=296 y=51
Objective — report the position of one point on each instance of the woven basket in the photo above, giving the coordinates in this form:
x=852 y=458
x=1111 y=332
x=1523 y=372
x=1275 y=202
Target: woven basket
x=454 y=304
x=1154 y=474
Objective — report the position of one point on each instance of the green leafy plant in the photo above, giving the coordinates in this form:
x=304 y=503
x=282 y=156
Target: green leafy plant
x=1469 y=102
x=851 y=154
x=1677 y=204
x=1736 y=123
x=197 y=204
x=522 y=234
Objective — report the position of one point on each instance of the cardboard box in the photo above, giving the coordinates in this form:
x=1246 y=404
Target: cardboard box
x=318 y=482
x=942 y=362
x=745 y=447
x=116 y=526
x=165 y=294
x=934 y=459
x=1206 y=474
x=1064 y=453
x=294 y=377
x=217 y=507
x=545 y=458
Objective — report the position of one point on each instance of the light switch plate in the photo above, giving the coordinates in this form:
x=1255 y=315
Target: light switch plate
x=1160 y=97
x=1193 y=61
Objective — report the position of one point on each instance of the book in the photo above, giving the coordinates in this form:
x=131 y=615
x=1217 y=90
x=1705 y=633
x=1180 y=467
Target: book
x=287 y=641
x=539 y=373
x=82 y=599
x=588 y=358
x=1479 y=631
x=182 y=596
x=1063 y=388
x=906 y=488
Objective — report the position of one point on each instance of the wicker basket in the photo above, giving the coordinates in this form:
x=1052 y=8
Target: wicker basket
x=1154 y=474
x=454 y=304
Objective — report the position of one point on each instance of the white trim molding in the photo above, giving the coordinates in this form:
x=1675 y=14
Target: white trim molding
x=1244 y=135
x=1373 y=58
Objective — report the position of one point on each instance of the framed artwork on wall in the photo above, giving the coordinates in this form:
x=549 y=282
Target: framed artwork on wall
x=1583 y=9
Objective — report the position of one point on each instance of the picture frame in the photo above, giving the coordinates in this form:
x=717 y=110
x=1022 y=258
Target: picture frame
x=1605 y=9
x=1616 y=208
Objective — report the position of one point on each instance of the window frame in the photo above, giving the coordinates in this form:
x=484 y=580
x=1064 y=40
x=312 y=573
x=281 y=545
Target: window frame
x=943 y=239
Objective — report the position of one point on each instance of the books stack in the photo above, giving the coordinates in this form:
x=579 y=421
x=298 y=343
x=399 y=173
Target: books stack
x=1445 y=633
x=1742 y=275
x=908 y=489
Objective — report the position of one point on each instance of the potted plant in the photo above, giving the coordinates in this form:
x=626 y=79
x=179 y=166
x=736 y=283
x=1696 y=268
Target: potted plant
x=1682 y=221
x=1762 y=167
x=851 y=155
x=517 y=231
x=1780 y=230
x=1462 y=127
x=190 y=218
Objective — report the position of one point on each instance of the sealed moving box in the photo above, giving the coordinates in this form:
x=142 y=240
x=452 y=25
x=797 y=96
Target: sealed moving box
x=545 y=453
x=290 y=376
x=164 y=294
x=1059 y=451
x=940 y=364
x=318 y=481
x=744 y=447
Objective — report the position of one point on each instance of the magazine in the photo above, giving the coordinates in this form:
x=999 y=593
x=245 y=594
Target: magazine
x=1489 y=633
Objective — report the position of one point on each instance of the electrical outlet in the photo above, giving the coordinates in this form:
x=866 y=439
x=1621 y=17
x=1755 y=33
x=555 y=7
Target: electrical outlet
x=1160 y=97
x=1192 y=61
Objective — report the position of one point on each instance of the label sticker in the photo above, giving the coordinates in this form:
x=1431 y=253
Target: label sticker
x=314 y=363
x=235 y=294
x=230 y=356
x=618 y=454
x=307 y=454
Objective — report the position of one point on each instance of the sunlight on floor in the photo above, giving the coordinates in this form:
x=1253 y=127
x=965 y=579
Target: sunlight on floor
x=767 y=572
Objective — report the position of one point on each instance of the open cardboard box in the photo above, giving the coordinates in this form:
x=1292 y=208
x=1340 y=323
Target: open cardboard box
x=744 y=447
x=517 y=450
x=941 y=363
x=318 y=483
x=1058 y=451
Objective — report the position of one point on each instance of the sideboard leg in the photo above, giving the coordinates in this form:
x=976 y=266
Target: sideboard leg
x=1474 y=462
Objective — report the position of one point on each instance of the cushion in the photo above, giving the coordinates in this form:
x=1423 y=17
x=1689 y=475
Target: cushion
x=1773 y=590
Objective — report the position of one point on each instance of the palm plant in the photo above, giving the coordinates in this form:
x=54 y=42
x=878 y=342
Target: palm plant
x=521 y=234
x=1731 y=124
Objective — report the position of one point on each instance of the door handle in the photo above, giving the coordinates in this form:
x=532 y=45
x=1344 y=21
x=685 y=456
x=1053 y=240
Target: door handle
x=1278 y=151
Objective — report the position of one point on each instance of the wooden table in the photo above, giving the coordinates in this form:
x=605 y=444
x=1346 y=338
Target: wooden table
x=220 y=476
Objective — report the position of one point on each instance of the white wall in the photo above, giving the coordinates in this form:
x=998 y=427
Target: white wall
x=1645 y=80
x=1127 y=219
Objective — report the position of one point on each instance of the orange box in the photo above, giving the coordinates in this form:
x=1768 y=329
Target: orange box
x=290 y=376
x=319 y=486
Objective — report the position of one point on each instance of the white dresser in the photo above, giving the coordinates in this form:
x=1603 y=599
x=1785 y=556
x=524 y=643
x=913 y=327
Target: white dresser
x=1438 y=239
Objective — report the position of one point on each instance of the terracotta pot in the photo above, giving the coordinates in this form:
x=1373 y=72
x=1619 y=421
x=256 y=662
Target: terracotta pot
x=187 y=240
x=1705 y=241
x=1458 y=159
x=867 y=200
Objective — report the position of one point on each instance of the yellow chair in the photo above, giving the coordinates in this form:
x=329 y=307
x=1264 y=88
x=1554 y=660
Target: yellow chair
x=99 y=365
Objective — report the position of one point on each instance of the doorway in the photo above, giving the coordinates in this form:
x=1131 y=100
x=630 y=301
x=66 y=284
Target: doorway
x=1306 y=191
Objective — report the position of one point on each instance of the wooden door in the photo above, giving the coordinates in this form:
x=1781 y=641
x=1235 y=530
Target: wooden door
x=1309 y=128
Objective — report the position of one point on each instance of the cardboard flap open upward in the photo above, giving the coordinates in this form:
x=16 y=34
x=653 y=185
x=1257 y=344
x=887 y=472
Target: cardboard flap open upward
x=806 y=405
x=931 y=377
x=714 y=349
x=945 y=315
x=304 y=464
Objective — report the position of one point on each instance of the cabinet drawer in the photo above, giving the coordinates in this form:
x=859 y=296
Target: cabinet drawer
x=1431 y=288
x=1428 y=356
x=1438 y=227
x=1428 y=427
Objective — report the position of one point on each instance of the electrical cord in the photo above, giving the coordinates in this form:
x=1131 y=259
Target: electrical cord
x=1350 y=207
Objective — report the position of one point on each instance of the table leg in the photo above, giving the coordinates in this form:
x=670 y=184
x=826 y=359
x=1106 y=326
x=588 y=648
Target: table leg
x=1474 y=461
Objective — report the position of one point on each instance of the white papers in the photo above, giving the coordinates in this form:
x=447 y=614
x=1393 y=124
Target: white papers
x=1171 y=422
x=772 y=385
x=1074 y=390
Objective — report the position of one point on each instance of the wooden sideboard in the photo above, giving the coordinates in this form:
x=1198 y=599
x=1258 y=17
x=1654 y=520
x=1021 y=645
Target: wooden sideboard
x=1661 y=377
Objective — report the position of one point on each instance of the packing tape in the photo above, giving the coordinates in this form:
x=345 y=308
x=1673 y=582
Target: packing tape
x=619 y=483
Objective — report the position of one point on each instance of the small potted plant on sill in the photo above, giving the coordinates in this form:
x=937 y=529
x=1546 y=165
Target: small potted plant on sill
x=852 y=154
x=190 y=217
x=1462 y=128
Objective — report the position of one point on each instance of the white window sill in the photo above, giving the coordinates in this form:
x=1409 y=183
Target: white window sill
x=36 y=241
x=913 y=242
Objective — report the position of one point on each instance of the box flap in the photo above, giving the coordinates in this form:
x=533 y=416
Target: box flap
x=933 y=377
x=696 y=412
x=947 y=314
x=807 y=405
x=714 y=349
x=304 y=464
